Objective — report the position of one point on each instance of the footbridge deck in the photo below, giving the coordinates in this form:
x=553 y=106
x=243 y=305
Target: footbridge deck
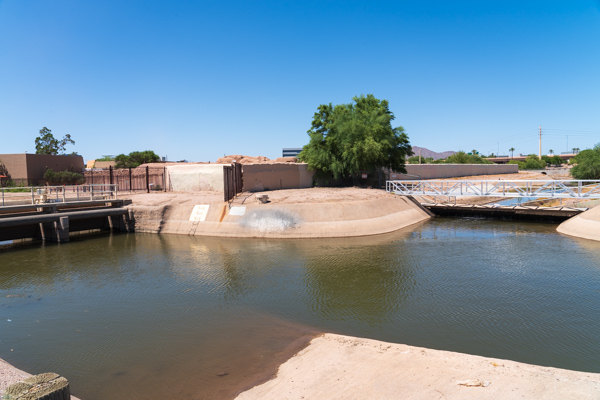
x=531 y=189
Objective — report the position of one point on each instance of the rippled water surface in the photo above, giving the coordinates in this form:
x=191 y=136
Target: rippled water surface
x=162 y=316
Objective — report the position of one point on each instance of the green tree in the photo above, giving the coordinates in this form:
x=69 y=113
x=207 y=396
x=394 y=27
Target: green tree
x=460 y=157
x=136 y=158
x=587 y=164
x=46 y=143
x=554 y=160
x=348 y=138
x=512 y=149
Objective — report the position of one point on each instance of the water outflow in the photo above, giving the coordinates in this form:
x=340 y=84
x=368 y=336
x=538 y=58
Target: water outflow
x=146 y=316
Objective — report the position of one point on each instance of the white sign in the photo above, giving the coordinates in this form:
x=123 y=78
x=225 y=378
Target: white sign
x=199 y=213
x=239 y=211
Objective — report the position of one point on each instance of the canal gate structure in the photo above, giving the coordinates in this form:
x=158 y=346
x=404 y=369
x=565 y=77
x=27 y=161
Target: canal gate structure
x=51 y=213
x=439 y=197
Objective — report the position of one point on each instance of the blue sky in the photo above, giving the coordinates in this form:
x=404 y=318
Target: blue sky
x=196 y=80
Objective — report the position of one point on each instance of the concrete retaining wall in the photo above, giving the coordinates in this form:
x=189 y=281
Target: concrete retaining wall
x=195 y=177
x=259 y=177
x=440 y=171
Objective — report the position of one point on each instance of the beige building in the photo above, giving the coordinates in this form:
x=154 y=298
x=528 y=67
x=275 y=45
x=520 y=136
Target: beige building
x=29 y=169
x=100 y=164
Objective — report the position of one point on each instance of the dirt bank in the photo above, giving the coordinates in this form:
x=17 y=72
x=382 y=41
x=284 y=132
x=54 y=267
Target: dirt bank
x=343 y=367
x=298 y=213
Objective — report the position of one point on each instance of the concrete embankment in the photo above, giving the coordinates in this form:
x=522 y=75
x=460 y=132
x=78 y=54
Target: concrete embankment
x=343 y=367
x=373 y=212
x=585 y=225
x=10 y=375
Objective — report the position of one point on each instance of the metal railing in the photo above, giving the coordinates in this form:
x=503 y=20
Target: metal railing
x=15 y=196
x=559 y=189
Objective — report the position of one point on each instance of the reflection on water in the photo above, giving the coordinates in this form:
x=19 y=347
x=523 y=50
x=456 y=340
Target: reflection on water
x=156 y=316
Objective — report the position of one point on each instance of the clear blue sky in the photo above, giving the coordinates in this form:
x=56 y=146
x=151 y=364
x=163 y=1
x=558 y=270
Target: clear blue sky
x=198 y=79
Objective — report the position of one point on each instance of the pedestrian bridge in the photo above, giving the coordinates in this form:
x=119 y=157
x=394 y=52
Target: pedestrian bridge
x=531 y=189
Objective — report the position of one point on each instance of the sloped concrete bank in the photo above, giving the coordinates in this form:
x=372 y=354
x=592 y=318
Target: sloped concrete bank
x=337 y=216
x=344 y=367
x=585 y=225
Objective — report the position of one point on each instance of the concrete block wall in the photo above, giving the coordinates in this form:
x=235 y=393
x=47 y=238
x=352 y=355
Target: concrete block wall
x=440 y=171
x=195 y=177
x=260 y=177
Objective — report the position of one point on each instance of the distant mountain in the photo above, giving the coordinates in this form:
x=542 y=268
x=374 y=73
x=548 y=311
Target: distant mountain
x=426 y=153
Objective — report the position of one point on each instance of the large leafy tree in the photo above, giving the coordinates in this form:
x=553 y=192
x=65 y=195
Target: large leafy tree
x=587 y=164
x=348 y=138
x=136 y=158
x=46 y=143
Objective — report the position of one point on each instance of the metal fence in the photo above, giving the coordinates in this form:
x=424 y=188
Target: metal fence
x=15 y=196
x=130 y=179
x=232 y=180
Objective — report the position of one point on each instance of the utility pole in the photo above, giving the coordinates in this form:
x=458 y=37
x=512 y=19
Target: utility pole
x=540 y=142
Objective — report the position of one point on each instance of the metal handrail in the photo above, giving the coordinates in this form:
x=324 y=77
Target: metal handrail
x=57 y=194
x=560 y=189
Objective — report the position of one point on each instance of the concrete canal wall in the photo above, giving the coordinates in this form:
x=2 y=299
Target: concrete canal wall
x=585 y=225
x=346 y=217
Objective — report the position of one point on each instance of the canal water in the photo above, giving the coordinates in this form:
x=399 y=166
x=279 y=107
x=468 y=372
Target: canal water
x=141 y=316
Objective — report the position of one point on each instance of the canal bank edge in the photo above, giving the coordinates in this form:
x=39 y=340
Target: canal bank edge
x=10 y=375
x=344 y=367
x=383 y=213
x=585 y=225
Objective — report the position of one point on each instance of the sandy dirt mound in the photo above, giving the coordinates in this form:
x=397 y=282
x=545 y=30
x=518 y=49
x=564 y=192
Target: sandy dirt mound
x=240 y=159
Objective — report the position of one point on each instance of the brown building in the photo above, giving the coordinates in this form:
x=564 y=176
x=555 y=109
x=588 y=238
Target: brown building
x=29 y=169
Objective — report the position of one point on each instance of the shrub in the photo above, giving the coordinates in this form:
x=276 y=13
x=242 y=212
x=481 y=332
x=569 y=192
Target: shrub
x=533 y=162
x=587 y=164
x=461 y=157
x=63 y=177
